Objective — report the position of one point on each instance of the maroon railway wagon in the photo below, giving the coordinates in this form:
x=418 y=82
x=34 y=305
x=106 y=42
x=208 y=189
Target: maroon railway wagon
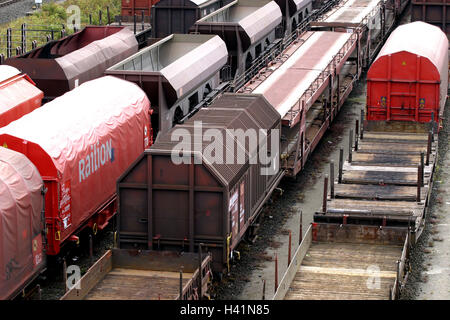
x=435 y=12
x=62 y=65
x=136 y=7
x=169 y=206
x=22 y=230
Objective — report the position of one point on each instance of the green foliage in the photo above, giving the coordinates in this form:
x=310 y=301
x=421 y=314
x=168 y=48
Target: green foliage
x=54 y=16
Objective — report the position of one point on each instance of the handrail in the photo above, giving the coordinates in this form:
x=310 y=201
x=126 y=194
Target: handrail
x=293 y=267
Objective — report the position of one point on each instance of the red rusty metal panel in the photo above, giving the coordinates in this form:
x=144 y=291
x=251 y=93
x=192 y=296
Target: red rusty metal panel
x=435 y=12
x=18 y=95
x=408 y=80
x=81 y=142
x=136 y=7
x=60 y=66
x=21 y=222
x=168 y=206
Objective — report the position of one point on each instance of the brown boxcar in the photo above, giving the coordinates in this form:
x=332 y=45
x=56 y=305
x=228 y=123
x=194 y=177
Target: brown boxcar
x=435 y=12
x=169 y=206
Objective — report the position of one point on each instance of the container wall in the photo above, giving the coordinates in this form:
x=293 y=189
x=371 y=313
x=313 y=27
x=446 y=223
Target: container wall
x=186 y=207
x=403 y=86
x=177 y=16
x=132 y=7
x=435 y=12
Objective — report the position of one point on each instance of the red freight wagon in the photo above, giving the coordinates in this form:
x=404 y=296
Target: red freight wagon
x=18 y=95
x=408 y=80
x=132 y=7
x=21 y=223
x=81 y=143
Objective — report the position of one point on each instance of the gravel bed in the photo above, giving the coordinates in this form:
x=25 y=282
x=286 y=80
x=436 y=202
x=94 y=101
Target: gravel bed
x=16 y=10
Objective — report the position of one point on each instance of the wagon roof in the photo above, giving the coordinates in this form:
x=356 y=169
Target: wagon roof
x=230 y=112
x=353 y=11
x=255 y=18
x=418 y=38
x=185 y=61
x=7 y=72
x=70 y=123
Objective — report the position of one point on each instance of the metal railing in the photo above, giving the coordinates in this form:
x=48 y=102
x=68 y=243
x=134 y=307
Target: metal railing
x=317 y=83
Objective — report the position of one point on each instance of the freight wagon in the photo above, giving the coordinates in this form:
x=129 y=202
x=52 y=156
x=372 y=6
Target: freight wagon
x=167 y=205
x=408 y=80
x=372 y=20
x=176 y=73
x=62 y=65
x=81 y=142
x=177 y=16
x=18 y=95
x=374 y=211
x=294 y=12
x=436 y=12
x=144 y=275
x=22 y=224
x=307 y=88
x=248 y=27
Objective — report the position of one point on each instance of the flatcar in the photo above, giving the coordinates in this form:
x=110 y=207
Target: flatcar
x=376 y=208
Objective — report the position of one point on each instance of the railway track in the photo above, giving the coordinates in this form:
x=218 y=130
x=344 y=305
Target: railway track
x=7 y=2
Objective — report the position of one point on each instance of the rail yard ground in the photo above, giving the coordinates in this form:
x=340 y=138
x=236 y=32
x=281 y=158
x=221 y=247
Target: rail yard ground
x=430 y=261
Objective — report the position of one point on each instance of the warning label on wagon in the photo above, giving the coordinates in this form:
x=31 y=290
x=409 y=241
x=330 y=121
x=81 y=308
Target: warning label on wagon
x=65 y=204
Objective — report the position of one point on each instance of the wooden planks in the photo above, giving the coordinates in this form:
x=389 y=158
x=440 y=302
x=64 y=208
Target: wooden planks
x=380 y=179
x=377 y=192
x=129 y=284
x=345 y=271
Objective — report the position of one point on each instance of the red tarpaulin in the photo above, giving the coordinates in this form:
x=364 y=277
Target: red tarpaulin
x=21 y=222
x=18 y=95
x=81 y=143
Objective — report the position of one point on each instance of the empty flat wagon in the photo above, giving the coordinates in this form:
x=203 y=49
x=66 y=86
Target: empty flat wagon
x=374 y=211
x=144 y=275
